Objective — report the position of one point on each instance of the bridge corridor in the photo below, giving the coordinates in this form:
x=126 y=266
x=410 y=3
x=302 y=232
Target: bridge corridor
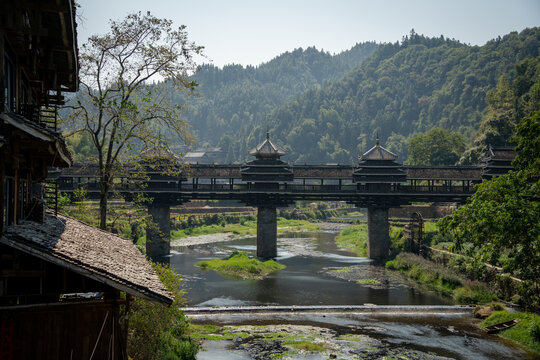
x=376 y=183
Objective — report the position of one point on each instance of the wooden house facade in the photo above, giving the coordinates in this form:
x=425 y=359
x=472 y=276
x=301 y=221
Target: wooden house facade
x=62 y=282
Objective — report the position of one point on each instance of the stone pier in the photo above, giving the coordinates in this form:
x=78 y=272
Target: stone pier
x=158 y=234
x=378 y=239
x=266 y=232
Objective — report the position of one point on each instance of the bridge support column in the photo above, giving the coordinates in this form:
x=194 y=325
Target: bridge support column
x=158 y=233
x=378 y=239
x=266 y=232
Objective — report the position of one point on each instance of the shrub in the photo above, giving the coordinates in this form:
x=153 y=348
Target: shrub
x=473 y=292
x=535 y=331
x=159 y=332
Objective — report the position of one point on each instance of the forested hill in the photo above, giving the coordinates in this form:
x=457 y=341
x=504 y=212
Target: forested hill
x=235 y=98
x=399 y=90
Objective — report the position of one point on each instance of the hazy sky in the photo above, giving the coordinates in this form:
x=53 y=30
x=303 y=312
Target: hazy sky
x=255 y=31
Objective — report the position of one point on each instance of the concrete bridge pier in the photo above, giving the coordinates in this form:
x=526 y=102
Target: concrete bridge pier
x=266 y=232
x=378 y=239
x=158 y=233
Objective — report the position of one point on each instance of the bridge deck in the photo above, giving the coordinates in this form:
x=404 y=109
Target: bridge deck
x=311 y=182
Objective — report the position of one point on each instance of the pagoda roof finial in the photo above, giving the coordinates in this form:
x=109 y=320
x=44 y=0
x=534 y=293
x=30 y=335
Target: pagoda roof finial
x=377 y=140
x=267 y=149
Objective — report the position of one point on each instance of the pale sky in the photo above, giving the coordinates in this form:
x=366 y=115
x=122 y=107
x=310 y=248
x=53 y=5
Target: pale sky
x=255 y=31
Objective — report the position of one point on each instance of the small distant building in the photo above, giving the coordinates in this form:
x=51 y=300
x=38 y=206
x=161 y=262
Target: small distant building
x=213 y=155
x=196 y=157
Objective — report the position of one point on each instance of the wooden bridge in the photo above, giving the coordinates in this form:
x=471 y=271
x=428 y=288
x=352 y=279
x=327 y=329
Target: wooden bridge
x=376 y=183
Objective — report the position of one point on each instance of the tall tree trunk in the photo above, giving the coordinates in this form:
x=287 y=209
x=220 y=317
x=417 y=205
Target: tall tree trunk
x=103 y=190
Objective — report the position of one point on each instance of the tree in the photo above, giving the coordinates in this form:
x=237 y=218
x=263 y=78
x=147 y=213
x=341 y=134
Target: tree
x=118 y=106
x=497 y=126
x=501 y=222
x=436 y=147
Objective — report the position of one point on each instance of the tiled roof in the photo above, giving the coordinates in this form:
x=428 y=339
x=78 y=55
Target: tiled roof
x=378 y=153
x=267 y=149
x=91 y=252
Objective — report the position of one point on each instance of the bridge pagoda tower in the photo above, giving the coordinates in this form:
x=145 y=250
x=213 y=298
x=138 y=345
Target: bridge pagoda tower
x=264 y=175
x=378 y=173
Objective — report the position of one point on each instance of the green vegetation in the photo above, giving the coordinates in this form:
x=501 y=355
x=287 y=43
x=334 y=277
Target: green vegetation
x=354 y=239
x=118 y=110
x=338 y=102
x=525 y=333
x=436 y=147
x=244 y=228
x=343 y=270
x=160 y=332
x=305 y=345
x=500 y=224
x=400 y=90
x=368 y=281
x=213 y=332
x=240 y=266
x=236 y=99
x=441 y=279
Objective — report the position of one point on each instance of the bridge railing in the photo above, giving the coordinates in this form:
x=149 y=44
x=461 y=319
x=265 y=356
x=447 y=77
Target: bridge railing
x=283 y=188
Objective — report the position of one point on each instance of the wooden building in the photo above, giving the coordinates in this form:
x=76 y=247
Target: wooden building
x=62 y=282
x=497 y=162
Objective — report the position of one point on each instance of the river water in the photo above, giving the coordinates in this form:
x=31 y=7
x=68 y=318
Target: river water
x=310 y=277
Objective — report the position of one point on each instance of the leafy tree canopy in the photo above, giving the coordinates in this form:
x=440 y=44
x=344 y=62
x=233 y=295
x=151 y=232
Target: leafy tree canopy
x=118 y=107
x=436 y=147
x=500 y=223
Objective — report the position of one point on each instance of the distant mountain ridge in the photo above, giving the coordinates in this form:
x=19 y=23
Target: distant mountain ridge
x=235 y=97
x=327 y=108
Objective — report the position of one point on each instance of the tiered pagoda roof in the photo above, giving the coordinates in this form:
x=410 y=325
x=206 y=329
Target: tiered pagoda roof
x=267 y=167
x=378 y=165
x=498 y=161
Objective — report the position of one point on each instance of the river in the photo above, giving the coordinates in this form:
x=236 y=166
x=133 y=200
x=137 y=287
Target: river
x=310 y=276
x=314 y=276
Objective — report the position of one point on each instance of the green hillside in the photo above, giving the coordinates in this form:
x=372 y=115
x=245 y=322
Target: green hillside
x=235 y=98
x=400 y=90
x=323 y=108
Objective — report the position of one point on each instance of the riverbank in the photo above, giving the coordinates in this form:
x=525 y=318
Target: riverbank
x=363 y=332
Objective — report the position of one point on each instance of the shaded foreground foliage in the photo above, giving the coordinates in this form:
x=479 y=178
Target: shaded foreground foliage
x=158 y=332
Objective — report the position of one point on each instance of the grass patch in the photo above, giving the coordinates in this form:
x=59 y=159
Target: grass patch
x=343 y=270
x=354 y=239
x=441 y=279
x=240 y=266
x=245 y=228
x=213 y=332
x=305 y=346
x=368 y=281
x=526 y=333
